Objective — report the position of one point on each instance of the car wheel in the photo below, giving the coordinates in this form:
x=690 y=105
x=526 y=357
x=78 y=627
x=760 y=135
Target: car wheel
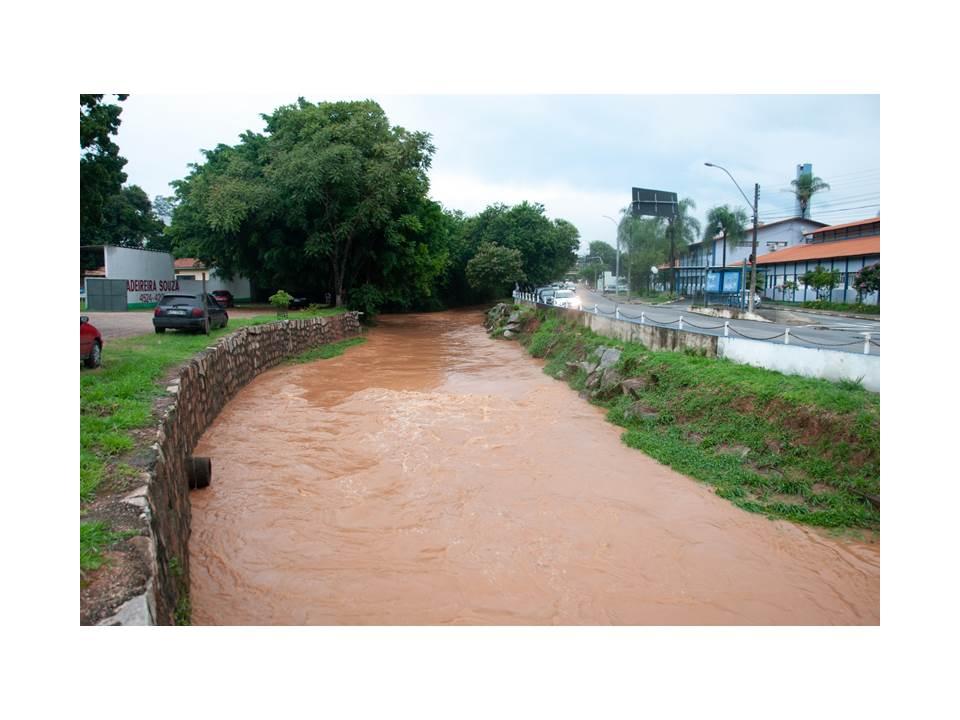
x=93 y=359
x=206 y=326
x=225 y=319
x=159 y=331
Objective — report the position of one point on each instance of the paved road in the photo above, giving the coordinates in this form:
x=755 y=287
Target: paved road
x=824 y=331
x=140 y=322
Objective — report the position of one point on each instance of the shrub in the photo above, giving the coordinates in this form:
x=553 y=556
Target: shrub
x=280 y=299
x=367 y=299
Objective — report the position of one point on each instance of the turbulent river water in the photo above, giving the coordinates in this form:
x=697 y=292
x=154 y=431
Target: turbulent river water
x=435 y=476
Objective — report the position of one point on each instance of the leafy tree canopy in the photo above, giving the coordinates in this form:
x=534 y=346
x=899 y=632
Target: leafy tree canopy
x=821 y=279
x=101 y=167
x=867 y=280
x=547 y=247
x=495 y=269
x=129 y=221
x=606 y=252
x=329 y=196
x=804 y=188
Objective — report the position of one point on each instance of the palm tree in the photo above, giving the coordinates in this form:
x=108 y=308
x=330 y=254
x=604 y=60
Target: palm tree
x=731 y=225
x=804 y=187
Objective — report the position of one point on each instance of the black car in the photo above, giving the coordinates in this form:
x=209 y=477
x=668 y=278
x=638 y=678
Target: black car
x=224 y=297
x=298 y=303
x=185 y=312
x=545 y=295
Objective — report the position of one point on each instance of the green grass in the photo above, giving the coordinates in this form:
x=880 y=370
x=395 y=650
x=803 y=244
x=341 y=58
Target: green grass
x=95 y=537
x=325 y=352
x=786 y=446
x=842 y=307
x=117 y=399
x=824 y=305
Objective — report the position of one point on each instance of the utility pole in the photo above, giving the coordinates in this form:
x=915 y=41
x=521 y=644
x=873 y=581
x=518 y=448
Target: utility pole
x=617 y=272
x=753 y=254
x=673 y=271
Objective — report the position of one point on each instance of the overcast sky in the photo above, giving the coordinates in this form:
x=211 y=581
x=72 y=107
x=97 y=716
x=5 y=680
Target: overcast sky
x=579 y=155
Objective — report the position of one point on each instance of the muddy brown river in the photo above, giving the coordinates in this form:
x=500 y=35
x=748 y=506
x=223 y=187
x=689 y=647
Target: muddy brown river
x=435 y=476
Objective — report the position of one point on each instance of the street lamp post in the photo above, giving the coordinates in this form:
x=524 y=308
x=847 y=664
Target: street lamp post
x=617 y=272
x=753 y=251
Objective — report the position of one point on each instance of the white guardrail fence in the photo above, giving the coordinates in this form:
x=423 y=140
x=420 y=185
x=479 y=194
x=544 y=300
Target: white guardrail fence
x=830 y=364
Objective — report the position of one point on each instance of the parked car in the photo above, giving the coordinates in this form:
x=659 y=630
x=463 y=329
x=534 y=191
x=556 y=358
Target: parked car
x=298 y=303
x=91 y=343
x=567 y=299
x=545 y=295
x=185 y=312
x=224 y=297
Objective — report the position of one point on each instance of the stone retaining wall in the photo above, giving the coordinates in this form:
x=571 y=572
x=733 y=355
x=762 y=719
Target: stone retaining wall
x=203 y=387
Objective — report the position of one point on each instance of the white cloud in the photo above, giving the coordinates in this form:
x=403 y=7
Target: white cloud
x=584 y=208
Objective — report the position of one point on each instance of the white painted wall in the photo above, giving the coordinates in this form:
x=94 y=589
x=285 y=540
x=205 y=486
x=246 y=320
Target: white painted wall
x=148 y=274
x=809 y=362
x=240 y=287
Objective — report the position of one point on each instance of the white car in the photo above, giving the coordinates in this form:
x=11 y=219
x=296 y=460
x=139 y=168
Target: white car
x=567 y=299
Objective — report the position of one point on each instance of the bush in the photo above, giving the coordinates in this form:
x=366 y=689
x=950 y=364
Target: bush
x=367 y=299
x=280 y=299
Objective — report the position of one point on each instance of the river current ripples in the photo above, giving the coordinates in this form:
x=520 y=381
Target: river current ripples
x=436 y=476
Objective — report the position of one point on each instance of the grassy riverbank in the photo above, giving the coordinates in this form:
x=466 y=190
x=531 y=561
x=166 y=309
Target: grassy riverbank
x=785 y=446
x=116 y=402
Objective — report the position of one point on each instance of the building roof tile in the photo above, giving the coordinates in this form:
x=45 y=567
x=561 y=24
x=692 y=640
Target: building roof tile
x=868 y=221
x=822 y=251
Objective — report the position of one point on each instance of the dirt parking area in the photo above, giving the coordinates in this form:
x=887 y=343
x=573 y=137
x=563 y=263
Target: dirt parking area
x=140 y=322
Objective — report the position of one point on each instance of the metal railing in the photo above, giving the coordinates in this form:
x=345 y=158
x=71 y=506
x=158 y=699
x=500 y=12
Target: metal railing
x=680 y=322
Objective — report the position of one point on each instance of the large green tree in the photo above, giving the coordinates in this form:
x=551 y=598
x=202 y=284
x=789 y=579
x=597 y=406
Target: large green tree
x=729 y=224
x=128 y=220
x=495 y=269
x=330 y=195
x=101 y=167
x=548 y=247
x=683 y=229
x=804 y=188
x=648 y=245
x=606 y=252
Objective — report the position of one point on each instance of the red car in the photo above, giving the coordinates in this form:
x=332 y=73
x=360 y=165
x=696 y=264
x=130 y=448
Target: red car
x=224 y=297
x=91 y=343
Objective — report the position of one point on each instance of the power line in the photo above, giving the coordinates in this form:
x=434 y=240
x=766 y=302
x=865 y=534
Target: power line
x=771 y=218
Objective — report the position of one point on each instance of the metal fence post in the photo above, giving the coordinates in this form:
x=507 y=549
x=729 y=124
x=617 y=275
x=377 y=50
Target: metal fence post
x=616 y=312
x=726 y=328
x=786 y=336
x=643 y=318
x=595 y=310
x=866 y=343
x=680 y=324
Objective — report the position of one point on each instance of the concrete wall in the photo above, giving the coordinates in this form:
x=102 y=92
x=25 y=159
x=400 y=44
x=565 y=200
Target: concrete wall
x=202 y=388
x=149 y=274
x=650 y=336
x=240 y=287
x=808 y=362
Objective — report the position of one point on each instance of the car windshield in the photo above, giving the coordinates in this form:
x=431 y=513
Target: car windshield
x=564 y=294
